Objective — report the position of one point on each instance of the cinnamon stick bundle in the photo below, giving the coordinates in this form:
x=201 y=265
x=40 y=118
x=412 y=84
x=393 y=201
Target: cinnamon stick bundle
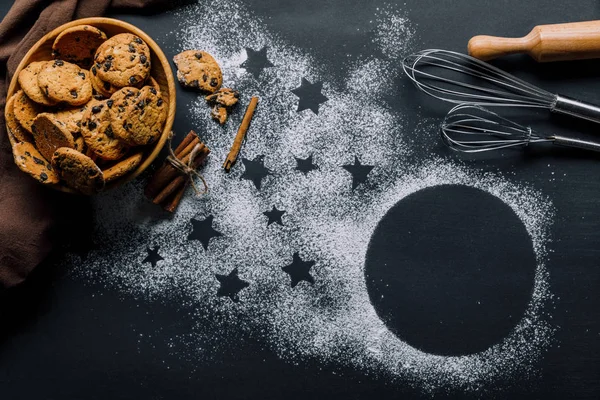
x=168 y=184
x=161 y=176
x=176 y=183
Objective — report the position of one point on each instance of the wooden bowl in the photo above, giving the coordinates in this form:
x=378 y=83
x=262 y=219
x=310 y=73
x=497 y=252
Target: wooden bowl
x=161 y=72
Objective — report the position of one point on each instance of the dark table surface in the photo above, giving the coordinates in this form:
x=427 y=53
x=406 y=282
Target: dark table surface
x=451 y=270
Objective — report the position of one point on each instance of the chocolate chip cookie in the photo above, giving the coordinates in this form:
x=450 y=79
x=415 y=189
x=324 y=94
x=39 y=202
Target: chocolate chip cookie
x=98 y=133
x=123 y=60
x=28 y=80
x=64 y=81
x=26 y=110
x=78 y=44
x=50 y=134
x=117 y=105
x=14 y=127
x=123 y=167
x=29 y=160
x=78 y=170
x=141 y=121
x=198 y=69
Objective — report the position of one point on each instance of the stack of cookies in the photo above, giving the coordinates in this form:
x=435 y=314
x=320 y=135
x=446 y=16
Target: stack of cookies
x=84 y=118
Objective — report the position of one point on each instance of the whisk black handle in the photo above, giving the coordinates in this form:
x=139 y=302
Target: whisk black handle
x=579 y=109
x=578 y=143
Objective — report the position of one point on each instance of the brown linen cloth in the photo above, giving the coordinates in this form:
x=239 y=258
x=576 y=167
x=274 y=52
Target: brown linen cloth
x=28 y=211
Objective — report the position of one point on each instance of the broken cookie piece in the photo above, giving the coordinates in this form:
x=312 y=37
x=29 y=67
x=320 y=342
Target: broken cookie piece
x=219 y=113
x=221 y=101
x=224 y=96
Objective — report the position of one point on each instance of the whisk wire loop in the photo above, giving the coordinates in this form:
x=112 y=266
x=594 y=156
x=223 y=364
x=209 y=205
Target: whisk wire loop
x=444 y=75
x=513 y=82
x=470 y=128
x=462 y=68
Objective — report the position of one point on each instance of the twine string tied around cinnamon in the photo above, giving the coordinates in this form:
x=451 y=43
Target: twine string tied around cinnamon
x=187 y=169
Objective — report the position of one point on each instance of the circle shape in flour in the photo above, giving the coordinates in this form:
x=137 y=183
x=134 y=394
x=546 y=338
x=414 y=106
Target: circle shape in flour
x=450 y=269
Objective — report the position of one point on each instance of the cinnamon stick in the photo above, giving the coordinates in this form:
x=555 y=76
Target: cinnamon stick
x=202 y=153
x=190 y=136
x=178 y=181
x=241 y=134
x=188 y=149
x=172 y=204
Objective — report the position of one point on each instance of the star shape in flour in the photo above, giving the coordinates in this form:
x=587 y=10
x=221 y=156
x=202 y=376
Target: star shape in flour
x=310 y=95
x=255 y=170
x=256 y=61
x=153 y=257
x=274 y=216
x=359 y=172
x=299 y=270
x=305 y=165
x=203 y=231
x=231 y=285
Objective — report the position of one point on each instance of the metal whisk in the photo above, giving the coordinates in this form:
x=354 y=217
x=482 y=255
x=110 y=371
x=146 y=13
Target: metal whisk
x=471 y=128
x=459 y=78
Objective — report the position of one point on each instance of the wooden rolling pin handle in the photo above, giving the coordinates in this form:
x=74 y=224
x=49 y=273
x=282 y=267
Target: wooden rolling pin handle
x=558 y=42
x=489 y=47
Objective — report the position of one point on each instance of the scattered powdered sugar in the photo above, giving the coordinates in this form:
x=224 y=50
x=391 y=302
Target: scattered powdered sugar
x=325 y=221
x=395 y=31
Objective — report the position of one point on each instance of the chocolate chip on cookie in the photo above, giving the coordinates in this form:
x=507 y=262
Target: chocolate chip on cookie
x=98 y=134
x=78 y=170
x=123 y=60
x=140 y=122
x=78 y=44
x=28 y=80
x=26 y=110
x=66 y=82
x=198 y=69
x=14 y=127
x=29 y=160
x=50 y=134
x=122 y=167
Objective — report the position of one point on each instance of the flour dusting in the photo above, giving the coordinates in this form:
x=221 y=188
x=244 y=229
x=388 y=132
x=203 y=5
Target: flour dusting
x=325 y=220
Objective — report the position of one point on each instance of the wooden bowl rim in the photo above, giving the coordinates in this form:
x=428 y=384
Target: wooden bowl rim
x=159 y=55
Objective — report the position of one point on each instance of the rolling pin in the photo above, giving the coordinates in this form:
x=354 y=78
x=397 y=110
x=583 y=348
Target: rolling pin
x=545 y=43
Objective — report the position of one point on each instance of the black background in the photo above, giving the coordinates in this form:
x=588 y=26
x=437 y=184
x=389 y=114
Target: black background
x=63 y=339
